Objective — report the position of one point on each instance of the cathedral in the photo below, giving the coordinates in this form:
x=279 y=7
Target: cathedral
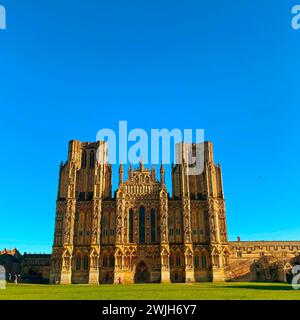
x=143 y=234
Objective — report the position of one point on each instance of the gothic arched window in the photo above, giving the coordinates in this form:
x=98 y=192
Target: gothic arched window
x=178 y=261
x=152 y=225
x=85 y=262
x=196 y=261
x=104 y=225
x=78 y=263
x=104 y=262
x=130 y=225
x=204 y=262
x=92 y=159
x=83 y=159
x=142 y=225
x=171 y=260
x=112 y=261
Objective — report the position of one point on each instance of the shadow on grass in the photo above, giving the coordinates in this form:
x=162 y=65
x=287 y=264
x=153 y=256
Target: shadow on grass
x=261 y=287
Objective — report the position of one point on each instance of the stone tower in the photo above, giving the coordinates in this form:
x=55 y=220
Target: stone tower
x=83 y=184
x=203 y=208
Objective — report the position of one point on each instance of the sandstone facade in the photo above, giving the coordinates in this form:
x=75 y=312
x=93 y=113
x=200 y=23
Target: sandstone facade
x=141 y=233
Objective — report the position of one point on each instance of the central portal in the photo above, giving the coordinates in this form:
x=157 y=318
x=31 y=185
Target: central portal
x=141 y=273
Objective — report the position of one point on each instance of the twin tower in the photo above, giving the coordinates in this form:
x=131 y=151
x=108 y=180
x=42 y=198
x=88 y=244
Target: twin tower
x=139 y=234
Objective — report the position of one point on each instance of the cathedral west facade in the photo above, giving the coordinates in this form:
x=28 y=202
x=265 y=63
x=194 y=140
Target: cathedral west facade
x=141 y=233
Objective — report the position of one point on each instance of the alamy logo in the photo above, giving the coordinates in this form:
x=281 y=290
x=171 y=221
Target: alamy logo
x=154 y=149
x=2 y=17
x=296 y=277
x=2 y=277
x=296 y=18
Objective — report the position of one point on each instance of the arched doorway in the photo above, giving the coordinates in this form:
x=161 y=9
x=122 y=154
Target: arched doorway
x=141 y=273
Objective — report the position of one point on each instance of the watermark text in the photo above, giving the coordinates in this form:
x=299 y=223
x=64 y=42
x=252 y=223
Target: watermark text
x=161 y=146
x=296 y=18
x=2 y=17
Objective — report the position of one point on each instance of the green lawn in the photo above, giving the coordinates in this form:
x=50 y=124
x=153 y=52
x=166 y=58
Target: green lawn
x=198 y=291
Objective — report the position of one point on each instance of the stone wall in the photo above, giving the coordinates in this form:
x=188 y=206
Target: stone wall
x=269 y=261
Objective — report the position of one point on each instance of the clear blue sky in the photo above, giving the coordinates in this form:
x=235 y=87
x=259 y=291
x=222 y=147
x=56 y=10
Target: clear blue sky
x=69 y=68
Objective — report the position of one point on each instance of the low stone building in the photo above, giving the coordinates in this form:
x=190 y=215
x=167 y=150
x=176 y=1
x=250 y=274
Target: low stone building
x=30 y=268
x=268 y=261
x=36 y=268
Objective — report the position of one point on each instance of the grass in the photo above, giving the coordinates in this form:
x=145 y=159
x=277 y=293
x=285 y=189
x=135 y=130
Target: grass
x=198 y=291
